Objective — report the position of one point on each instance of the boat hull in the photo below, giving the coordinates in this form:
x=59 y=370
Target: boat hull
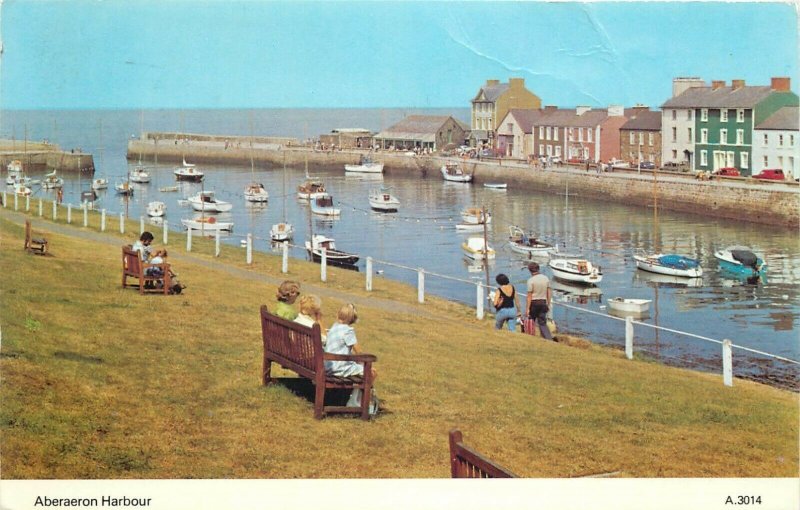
x=532 y=251
x=457 y=177
x=195 y=177
x=731 y=265
x=281 y=232
x=565 y=273
x=370 y=168
x=207 y=226
x=634 y=306
x=652 y=266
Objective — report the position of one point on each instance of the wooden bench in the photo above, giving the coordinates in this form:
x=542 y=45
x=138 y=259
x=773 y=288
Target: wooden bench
x=134 y=267
x=299 y=348
x=467 y=463
x=33 y=244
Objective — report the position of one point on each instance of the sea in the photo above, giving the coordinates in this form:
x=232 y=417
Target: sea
x=693 y=316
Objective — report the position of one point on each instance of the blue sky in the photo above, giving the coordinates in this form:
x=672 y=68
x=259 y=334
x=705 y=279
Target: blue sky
x=254 y=54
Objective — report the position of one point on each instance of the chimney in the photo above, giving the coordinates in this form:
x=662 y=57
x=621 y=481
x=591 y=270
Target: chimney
x=551 y=108
x=682 y=84
x=492 y=83
x=717 y=84
x=580 y=110
x=781 y=84
x=737 y=84
x=616 y=110
x=516 y=83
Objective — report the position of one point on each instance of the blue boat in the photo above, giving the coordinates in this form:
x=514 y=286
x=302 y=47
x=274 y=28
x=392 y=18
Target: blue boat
x=741 y=260
x=668 y=264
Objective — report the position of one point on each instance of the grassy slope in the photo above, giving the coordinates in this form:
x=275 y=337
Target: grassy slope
x=98 y=382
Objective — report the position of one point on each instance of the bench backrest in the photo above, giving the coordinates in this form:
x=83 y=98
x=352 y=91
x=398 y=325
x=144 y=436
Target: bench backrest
x=292 y=345
x=131 y=260
x=467 y=463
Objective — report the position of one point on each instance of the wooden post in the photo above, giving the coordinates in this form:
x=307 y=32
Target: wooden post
x=85 y=214
x=121 y=223
x=102 y=220
x=323 y=265
x=166 y=231
x=141 y=224
x=727 y=363
x=285 y=261
x=27 y=202
x=249 y=249
x=479 y=299
x=16 y=201
x=421 y=285
x=5 y=199
x=189 y=239
x=69 y=213
x=40 y=207
x=369 y=274
x=216 y=243
x=55 y=210
x=629 y=337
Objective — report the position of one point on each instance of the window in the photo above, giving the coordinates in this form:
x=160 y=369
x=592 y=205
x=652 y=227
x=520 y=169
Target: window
x=723 y=136
x=650 y=139
x=689 y=132
x=791 y=140
x=558 y=150
x=674 y=134
x=723 y=115
x=780 y=162
x=633 y=138
x=766 y=161
x=589 y=134
x=740 y=115
x=580 y=134
x=704 y=135
x=674 y=114
x=549 y=150
x=745 y=159
x=510 y=127
x=780 y=140
x=730 y=158
x=549 y=133
x=703 y=158
x=491 y=123
x=641 y=138
x=541 y=132
x=704 y=115
x=740 y=137
x=541 y=149
x=766 y=139
x=689 y=114
x=571 y=135
x=555 y=133
x=674 y=155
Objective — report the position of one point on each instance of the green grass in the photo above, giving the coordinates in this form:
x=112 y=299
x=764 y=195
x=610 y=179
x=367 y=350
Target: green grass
x=99 y=382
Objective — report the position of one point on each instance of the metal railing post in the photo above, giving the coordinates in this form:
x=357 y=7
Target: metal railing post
x=102 y=220
x=166 y=231
x=727 y=363
x=629 y=337
x=216 y=243
x=323 y=265
x=420 y=285
x=69 y=213
x=285 y=258
x=249 y=249
x=5 y=199
x=479 y=313
x=369 y=274
x=189 y=239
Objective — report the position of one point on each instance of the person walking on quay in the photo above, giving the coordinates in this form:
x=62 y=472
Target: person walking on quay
x=506 y=302
x=60 y=195
x=539 y=299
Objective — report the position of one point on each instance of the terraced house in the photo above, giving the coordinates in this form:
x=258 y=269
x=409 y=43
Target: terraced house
x=725 y=117
x=492 y=103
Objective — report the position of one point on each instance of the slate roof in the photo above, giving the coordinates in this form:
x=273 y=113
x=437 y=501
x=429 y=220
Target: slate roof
x=723 y=97
x=785 y=119
x=418 y=127
x=492 y=92
x=526 y=118
x=646 y=120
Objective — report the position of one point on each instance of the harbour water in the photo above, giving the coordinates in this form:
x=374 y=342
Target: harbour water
x=761 y=316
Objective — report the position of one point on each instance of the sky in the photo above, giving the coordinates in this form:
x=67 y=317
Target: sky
x=91 y=54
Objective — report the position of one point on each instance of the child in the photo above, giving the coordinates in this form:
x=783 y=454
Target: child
x=286 y=296
x=310 y=312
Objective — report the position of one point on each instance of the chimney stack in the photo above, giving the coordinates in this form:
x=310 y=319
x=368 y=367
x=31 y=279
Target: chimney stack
x=516 y=83
x=551 y=108
x=781 y=84
x=491 y=83
x=717 y=84
x=580 y=110
x=682 y=84
x=737 y=84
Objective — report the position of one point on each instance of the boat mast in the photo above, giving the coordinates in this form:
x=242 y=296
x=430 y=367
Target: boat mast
x=284 y=189
x=485 y=246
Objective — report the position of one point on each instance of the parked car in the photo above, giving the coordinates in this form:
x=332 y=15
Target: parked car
x=647 y=165
x=614 y=162
x=727 y=171
x=576 y=161
x=772 y=174
x=556 y=160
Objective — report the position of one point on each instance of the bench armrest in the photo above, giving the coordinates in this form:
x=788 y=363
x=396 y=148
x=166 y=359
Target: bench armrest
x=362 y=358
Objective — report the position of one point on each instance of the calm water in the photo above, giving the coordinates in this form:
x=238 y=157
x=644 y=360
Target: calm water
x=763 y=316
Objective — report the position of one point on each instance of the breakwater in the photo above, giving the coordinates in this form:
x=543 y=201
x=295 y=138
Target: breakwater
x=38 y=156
x=752 y=201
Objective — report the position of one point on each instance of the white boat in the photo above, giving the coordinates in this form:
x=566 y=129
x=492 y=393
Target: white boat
x=207 y=224
x=99 y=183
x=740 y=260
x=156 y=208
x=521 y=242
x=21 y=179
x=475 y=249
x=11 y=179
x=323 y=206
x=52 y=181
x=139 y=175
x=311 y=189
x=206 y=201
x=281 y=232
x=495 y=185
x=124 y=188
x=188 y=172
x=576 y=270
x=365 y=166
x=475 y=216
x=382 y=200
x=453 y=172
x=670 y=264
x=22 y=190
x=15 y=166
x=332 y=255
x=168 y=189
x=472 y=227
x=256 y=192
x=629 y=305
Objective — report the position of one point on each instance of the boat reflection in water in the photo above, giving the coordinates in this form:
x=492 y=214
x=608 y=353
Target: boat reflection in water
x=664 y=280
x=579 y=294
x=731 y=278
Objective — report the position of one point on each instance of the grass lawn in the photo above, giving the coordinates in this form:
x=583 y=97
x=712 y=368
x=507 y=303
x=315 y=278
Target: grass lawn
x=100 y=382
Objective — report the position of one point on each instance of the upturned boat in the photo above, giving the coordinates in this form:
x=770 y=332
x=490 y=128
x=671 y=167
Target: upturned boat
x=476 y=249
x=206 y=201
x=332 y=255
x=527 y=244
x=668 y=264
x=382 y=200
x=365 y=166
x=576 y=270
x=453 y=172
x=740 y=260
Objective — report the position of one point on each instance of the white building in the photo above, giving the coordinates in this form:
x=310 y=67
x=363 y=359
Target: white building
x=677 y=125
x=776 y=142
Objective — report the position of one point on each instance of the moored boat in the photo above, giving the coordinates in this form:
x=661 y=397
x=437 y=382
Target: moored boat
x=167 y=189
x=311 y=189
x=22 y=190
x=366 y=165
x=124 y=188
x=52 y=181
x=99 y=183
x=453 y=172
x=529 y=245
x=207 y=224
x=668 y=264
x=323 y=206
x=281 y=231
x=476 y=249
x=495 y=185
x=332 y=255
x=629 y=305
x=156 y=208
x=15 y=166
x=740 y=260
x=382 y=200
x=139 y=175
x=206 y=201
x=576 y=270
x=188 y=172
x=476 y=216
x=256 y=192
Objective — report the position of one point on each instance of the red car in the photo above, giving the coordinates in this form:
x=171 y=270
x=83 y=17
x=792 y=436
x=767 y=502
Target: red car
x=771 y=175
x=728 y=171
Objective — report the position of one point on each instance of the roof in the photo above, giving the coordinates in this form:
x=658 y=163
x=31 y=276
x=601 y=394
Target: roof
x=492 y=92
x=787 y=118
x=418 y=127
x=723 y=97
x=646 y=120
x=525 y=117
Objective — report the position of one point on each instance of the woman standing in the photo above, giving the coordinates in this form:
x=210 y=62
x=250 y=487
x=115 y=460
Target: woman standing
x=506 y=302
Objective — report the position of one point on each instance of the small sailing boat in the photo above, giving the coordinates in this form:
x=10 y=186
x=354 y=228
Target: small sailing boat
x=576 y=270
x=156 y=208
x=282 y=231
x=453 y=172
x=256 y=192
x=188 y=172
x=311 y=189
x=52 y=181
x=365 y=165
x=629 y=305
x=99 y=183
x=323 y=206
x=140 y=175
x=476 y=216
x=124 y=188
x=15 y=166
x=668 y=264
x=209 y=224
x=527 y=244
x=206 y=201
x=382 y=200
x=741 y=261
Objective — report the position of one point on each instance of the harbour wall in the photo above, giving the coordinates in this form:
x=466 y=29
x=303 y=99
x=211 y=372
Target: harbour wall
x=42 y=157
x=766 y=203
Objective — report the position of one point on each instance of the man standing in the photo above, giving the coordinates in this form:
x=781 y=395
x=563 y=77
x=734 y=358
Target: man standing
x=539 y=298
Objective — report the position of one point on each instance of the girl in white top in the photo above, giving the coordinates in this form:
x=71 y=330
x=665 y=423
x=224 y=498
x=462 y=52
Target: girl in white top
x=310 y=312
